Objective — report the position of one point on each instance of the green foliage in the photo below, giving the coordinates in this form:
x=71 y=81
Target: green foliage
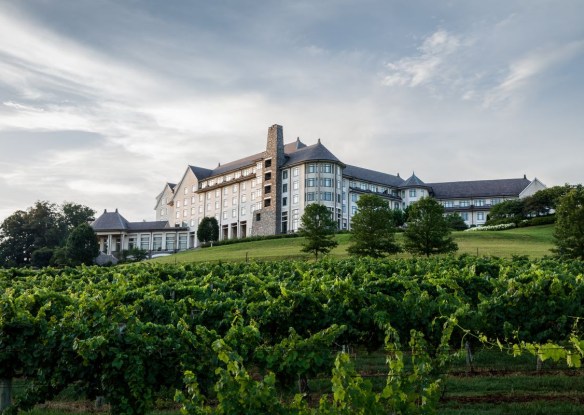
x=427 y=230
x=45 y=225
x=42 y=257
x=456 y=222
x=543 y=201
x=509 y=211
x=82 y=246
x=372 y=228
x=569 y=231
x=208 y=230
x=318 y=227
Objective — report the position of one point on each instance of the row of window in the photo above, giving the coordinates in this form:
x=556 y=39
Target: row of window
x=228 y=177
x=157 y=242
x=467 y=203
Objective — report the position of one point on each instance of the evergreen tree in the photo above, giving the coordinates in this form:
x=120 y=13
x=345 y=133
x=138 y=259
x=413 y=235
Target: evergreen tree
x=82 y=246
x=427 y=230
x=318 y=227
x=372 y=228
x=208 y=230
x=569 y=231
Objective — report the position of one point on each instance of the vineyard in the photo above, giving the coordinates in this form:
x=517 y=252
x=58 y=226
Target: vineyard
x=285 y=337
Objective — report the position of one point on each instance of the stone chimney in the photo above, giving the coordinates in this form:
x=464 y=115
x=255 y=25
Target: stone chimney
x=267 y=220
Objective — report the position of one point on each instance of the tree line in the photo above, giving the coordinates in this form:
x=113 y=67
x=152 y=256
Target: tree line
x=48 y=234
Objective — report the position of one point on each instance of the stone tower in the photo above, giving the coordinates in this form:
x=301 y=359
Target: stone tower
x=266 y=221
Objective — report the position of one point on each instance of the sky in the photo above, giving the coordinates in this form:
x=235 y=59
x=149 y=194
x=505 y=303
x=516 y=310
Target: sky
x=103 y=102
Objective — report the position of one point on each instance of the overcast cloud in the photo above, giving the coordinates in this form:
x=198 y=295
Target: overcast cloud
x=104 y=102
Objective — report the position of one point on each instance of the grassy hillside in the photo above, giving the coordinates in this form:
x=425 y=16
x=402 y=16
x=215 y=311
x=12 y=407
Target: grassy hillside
x=533 y=241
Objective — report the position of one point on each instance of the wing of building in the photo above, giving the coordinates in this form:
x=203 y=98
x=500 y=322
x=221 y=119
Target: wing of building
x=266 y=193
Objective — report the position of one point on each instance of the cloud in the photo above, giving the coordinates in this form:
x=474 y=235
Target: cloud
x=428 y=65
x=522 y=73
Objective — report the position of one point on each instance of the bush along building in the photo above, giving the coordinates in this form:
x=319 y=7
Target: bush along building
x=266 y=193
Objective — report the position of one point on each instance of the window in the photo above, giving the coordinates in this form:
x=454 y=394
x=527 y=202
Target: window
x=243 y=211
x=327 y=168
x=182 y=241
x=225 y=190
x=310 y=182
x=217 y=204
x=186 y=190
x=412 y=192
x=237 y=174
x=200 y=197
x=268 y=163
x=193 y=211
x=253 y=183
x=259 y=165
x=185 y=202
x=353 y=210
x=285 y=188
x=145 y=242
x=284 y=201
x=295 y=219
x=268 y=176
x=295 y=199
x=177 y=214
x=200 y=208
x=311 y=168
x=234 y=188
x=327 y=196
x=208 y=207
x=464 y=215
x=233 y=213
x=267 y=189
x=480 y=202
x=310 y=196
x=225 y=215
x=464 y=203
x=258 y=217
x=162 y=212
x=243 y=198
x=267 y=202
x=495 y=201
x=193 y=200
x=217 y=193
x=285 y=175
x=480 y=216
x=208 y=195
x=243 y=185
x=295 y=172
x=354 y=197
x=327 y=182
x=228 y=177
x=178 y=203
x=157 y=242
x=284 y=222
x=253 y=195
x=234 y=201
x=170 y=241
x=448 y=203
x=224 y=202
x=194 y=189
x=295 y=185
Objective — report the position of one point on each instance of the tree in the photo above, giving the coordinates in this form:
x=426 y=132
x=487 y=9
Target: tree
x=372 y=228
x=456 y=222
x=506 y=212
x=318 y=227
x=569 y=231
x=543 y=201
x=208 y=230
x=75 y=214
x=44 y=225
x=82 y=246
x=427 y=230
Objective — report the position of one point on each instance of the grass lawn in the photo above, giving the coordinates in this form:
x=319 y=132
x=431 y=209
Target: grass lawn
x=533 y=241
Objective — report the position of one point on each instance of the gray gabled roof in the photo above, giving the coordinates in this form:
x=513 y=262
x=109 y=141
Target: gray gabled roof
x=202 y=173
x=413 y=181
x=110 y=221
x=315 y=152
x=367 y=175
x=114 y=221
x=479 y=188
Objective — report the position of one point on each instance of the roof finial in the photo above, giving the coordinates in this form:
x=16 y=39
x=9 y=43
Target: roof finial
x=319 y=141
x=116 y=210
x=105 y=211
x=524 y=176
